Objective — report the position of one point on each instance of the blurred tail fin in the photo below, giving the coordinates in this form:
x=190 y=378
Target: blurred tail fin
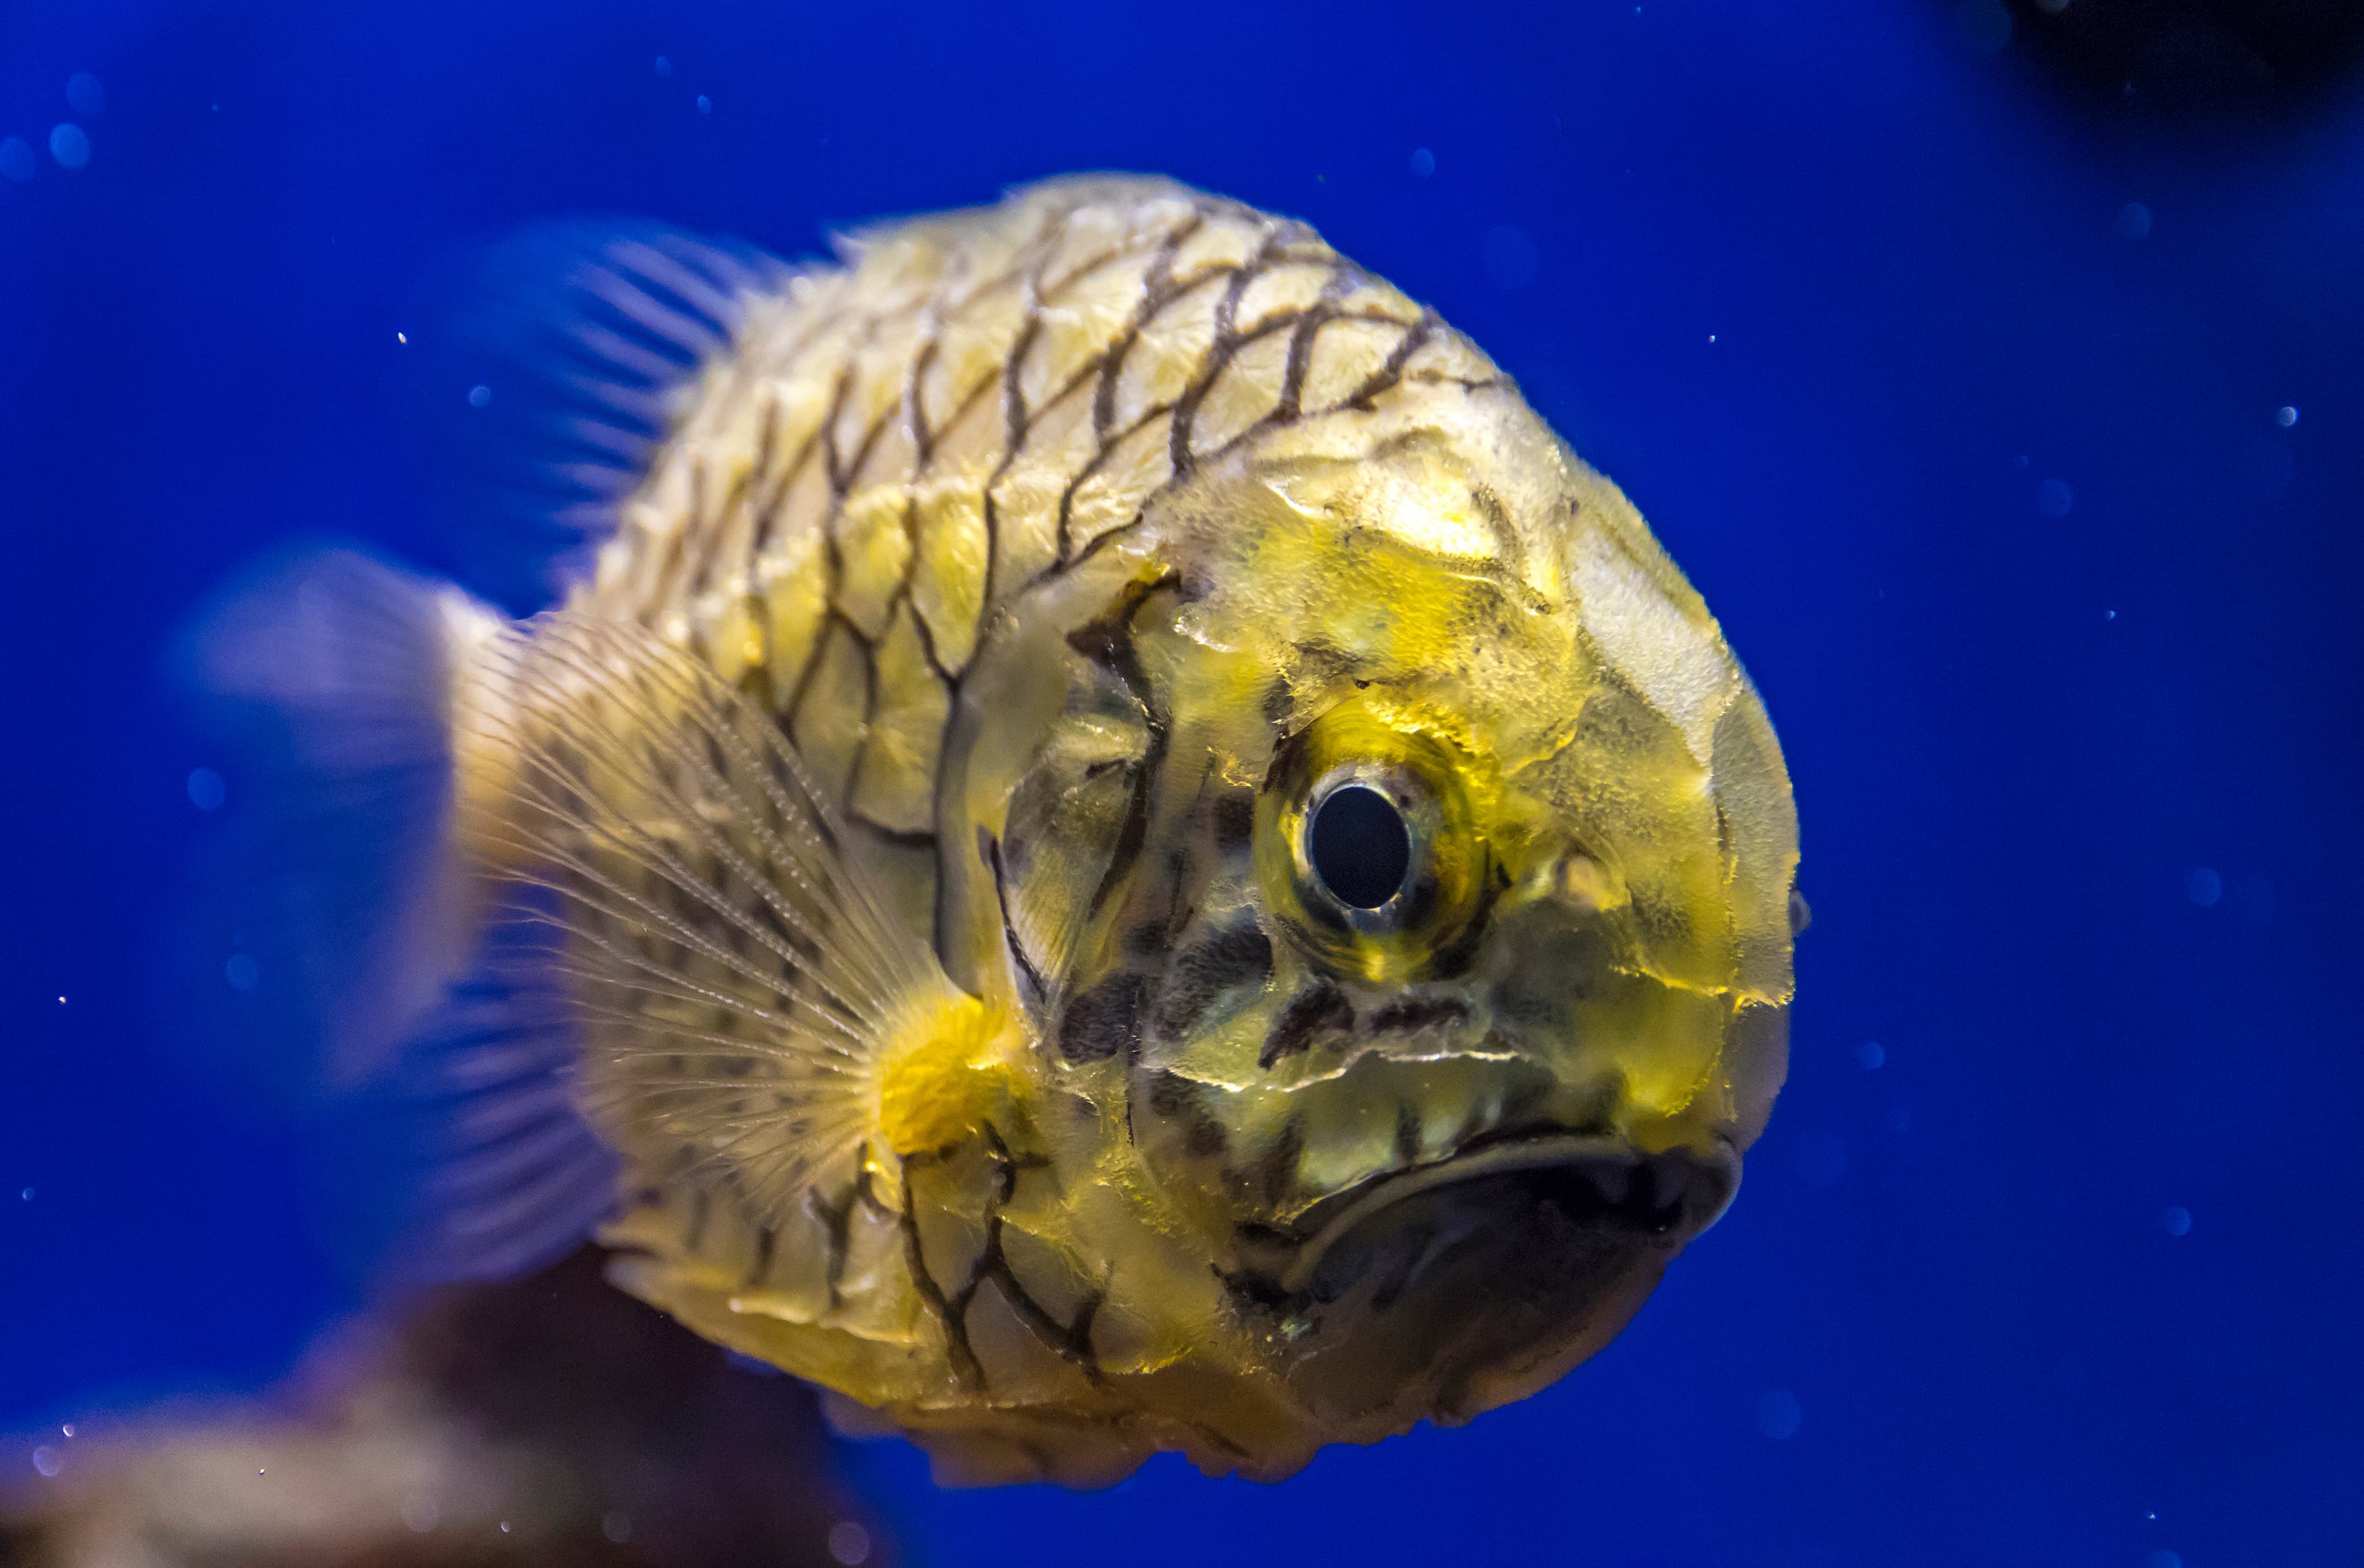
x=333 y=907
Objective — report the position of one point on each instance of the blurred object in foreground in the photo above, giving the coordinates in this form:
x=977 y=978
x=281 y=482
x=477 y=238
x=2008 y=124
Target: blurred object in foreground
x=552 y=1421
x=2196 y=59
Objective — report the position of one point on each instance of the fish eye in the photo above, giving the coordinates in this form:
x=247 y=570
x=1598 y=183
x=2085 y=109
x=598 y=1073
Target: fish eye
x=1359 y=846
x=1368 y=845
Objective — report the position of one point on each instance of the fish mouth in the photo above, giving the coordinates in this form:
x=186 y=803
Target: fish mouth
x=1589 y=1181
x=1443 y=1290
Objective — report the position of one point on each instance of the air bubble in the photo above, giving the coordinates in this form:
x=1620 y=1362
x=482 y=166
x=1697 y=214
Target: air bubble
x=2133 y=221
x=48 y=1460
x=2176 y=1221
x=1871 y=1054
x=849 y=1543
x=1423 y=162
x=242 y=972
x=616 y=1527
x=70 y=145
x=1822 y=1158
x=206 y=790
x=479 y=395
x=2286 y=415
x=2204 y=886
x=86 y=93
x=2052 y=498
x=1778 y=1414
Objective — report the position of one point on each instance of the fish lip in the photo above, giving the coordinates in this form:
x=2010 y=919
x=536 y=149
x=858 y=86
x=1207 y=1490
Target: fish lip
x=1698 y=1186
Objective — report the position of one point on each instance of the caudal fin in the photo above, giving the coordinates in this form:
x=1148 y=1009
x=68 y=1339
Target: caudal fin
x=331 y=907
x=338 y=955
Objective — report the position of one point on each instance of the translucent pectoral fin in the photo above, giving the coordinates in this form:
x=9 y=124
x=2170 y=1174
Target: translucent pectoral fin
x=739 y=981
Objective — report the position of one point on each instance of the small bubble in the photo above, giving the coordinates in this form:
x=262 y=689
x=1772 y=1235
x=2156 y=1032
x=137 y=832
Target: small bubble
x=2133 y=221
x=66 y=1429
x=2204 y=886
x=505 y=1526
x=1871 y=1055
x=1899 y=1119
x=2109 y=615
x=48 y=1460
x=704 y=105
x=849 y=1543
x=2177 y=1221
x=2286 y=415
x=205 y=789
x=1778 y=1414
x=479 y=395
x=420 y=1513
x=25 y=1196
x=1510 y=257
x=1423 y=162
x=616 y=1527
x=401 y=338
x=18 y=160
x=1822 y=1158
x=242 y=972
x=2163 y=1559
x=2052 y=498
x=665 y=66
x=86 y=93
x=70 y=145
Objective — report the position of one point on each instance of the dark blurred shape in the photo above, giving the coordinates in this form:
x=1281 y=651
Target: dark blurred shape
x=549 y=1422
x=2196 y=59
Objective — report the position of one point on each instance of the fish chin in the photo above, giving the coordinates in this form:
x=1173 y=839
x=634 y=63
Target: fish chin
x=1444 y=1291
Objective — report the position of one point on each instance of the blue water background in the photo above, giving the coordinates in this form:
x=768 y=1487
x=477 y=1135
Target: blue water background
x=2051 y=1253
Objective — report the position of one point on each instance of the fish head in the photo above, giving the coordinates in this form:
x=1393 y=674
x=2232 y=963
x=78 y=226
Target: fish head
x=1461 y=931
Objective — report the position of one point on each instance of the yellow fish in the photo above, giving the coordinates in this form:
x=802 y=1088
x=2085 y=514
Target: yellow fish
x=1111 y=847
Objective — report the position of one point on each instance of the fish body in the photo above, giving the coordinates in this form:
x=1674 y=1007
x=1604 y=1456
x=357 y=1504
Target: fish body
x=1135 y=856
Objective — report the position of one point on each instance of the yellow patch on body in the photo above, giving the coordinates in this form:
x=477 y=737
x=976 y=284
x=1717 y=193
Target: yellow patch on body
x=947 y=1074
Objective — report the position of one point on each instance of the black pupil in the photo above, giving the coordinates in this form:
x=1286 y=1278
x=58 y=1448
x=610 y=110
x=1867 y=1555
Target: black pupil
x=1361 y=849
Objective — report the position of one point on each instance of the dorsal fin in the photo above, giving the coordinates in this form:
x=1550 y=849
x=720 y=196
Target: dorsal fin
x=573 y=353
x=736 y=975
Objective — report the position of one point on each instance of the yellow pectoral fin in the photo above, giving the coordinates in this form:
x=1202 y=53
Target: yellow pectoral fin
x=948 y=1076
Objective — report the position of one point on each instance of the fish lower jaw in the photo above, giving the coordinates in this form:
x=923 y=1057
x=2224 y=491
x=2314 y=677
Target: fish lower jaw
x=1595 y=1180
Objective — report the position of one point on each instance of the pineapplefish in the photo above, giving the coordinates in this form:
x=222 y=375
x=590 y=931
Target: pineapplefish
x=1110 y=847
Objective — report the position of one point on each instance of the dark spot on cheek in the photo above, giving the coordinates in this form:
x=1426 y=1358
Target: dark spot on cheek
x=1321 y=1011
x=1277 y=1171
x=1411 y=1014
x=1238 y=955
x=1234 y=821
x=1104 y=1021
x=1178 y=1100
x=1407 y=1134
